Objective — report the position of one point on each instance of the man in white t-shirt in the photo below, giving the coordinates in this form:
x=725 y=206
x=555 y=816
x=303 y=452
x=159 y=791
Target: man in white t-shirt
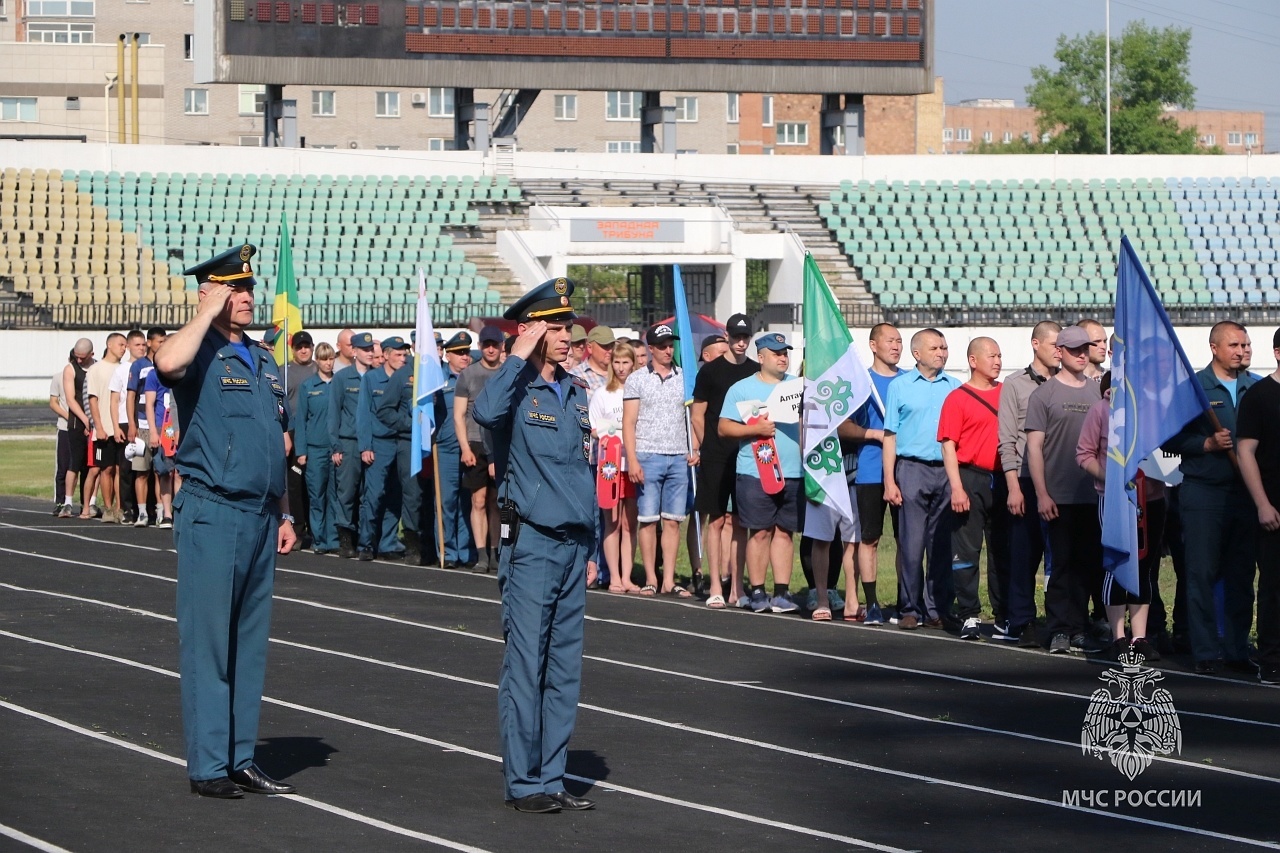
x=98 y=386
x=135 y=348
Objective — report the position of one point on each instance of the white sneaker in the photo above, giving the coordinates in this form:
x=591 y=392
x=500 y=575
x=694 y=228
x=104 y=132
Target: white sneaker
x=972 y=628
x=142 y=519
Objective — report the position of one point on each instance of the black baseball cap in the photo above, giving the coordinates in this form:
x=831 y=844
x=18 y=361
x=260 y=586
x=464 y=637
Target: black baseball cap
x=739 y=324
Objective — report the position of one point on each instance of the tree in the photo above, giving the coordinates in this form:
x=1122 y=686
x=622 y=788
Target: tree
x=1150 y=71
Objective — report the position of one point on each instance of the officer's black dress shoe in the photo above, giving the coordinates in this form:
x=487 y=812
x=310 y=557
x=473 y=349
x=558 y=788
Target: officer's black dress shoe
x=221 y=788
x=255 y=781
x=393 y=557
x=366 y=556
x=568 y=802
x=535 y=804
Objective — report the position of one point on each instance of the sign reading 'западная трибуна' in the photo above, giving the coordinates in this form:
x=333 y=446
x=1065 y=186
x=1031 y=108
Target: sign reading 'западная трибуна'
x=626 y=230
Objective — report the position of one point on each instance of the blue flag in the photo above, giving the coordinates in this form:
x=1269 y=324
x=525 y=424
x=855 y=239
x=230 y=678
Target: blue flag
x=1154 y=393
x=428 y=377
x=686 y=356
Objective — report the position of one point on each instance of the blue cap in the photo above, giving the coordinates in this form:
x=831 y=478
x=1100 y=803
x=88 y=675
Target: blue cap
x=362 y=340
x=491 y=335
x=460 y=342
x=548 y=301
x=772 y=341
x=395 y=342
x=231 y=267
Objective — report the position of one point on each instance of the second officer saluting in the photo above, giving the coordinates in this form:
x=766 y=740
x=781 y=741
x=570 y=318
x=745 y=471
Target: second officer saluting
x=537 y=413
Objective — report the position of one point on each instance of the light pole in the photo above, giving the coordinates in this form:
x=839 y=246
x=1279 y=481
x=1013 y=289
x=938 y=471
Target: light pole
x=106 y=106
x=1108 y=75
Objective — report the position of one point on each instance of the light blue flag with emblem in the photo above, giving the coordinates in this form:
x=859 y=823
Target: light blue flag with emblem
x=428 y=377
x=685 y=355
x=1154 y=393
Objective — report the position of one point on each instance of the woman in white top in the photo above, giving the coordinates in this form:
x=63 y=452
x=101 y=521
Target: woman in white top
x=605 y=413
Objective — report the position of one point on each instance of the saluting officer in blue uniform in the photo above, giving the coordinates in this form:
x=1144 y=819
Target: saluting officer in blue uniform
x=381 y=500
x=314 y=449
x=344 y=399
x=541 y=436
x=459 y=546
x=231 y=518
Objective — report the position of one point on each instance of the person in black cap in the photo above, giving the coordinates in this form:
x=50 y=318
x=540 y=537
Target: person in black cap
x=231 y=518
x=297 y=371
x=726 y=541
x=459 y=547
x=541 y=432
x=381 y=500
x=713 y=346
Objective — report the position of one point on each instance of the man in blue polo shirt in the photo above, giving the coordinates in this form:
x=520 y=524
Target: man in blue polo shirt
x=913 y=468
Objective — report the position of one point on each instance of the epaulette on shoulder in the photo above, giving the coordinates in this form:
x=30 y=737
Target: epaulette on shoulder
x=580 y=382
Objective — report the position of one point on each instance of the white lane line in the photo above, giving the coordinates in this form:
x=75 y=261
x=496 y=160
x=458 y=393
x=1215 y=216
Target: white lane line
x=70 y=535
x=914 y=777
x=293 y=798
x=474 y=636
x=31 y=840
x=457 y=679
x=444 y=745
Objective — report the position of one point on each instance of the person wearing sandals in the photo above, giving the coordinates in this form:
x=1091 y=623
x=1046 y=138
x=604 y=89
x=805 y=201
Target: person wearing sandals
x=605 y=412
x=656 y=441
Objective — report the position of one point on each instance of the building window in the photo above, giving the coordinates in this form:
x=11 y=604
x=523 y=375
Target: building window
x=565 y=150
x=324 y=102
x=1251 y=140
x=387 y=147
x=1008 y=137
x=437 y=143
x=986 y=136
x=686 y=108
x=792 y=133
x=60 y=8
x=624 y=146
x=947 y=134
x=731 y=148
x=623 y=106
x=566 y=107
x=1044 y=138
x=253 y=100
x=686 y=150
x=247 y=141
x=143 y=38
x=440 y=103
x=18 y=109
x=386 y=104
x=3 y=10
x=1233 y=138
x=1026 y=136
x=323 y=146
x=766 y=111
x=731 y=108
x=964 y=134
x=195 y=102
x=1209 y=140
x=60 y=33
x=188 y=46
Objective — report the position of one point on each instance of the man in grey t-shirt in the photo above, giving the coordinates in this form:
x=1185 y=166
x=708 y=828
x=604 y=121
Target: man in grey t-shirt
x=476 y=477
x=1065 y=494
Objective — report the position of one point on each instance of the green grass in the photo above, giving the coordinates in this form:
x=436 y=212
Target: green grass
x=27 y=465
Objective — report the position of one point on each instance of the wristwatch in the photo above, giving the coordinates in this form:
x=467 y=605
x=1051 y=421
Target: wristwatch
x=284 y=516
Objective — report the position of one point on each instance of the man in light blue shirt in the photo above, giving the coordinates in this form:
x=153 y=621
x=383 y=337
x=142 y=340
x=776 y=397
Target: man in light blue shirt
x=770 y=519
x=913 y=468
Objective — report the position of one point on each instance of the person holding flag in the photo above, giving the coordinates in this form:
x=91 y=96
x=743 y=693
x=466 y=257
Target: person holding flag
x=1212 y=499
x=836 y=385
x=426 y=377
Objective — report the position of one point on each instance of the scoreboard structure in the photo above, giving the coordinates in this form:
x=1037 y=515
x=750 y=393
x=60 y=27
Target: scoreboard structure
x=768 y=46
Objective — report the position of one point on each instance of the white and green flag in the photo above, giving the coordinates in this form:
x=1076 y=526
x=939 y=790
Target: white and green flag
x=836 y=384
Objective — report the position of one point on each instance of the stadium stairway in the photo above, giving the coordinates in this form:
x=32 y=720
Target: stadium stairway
x=753 y=209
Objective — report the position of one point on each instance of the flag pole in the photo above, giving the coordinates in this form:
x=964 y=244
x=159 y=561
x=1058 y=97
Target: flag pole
x=435 y=469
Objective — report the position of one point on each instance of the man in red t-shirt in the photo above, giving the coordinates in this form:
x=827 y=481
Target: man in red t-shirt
x=969 y=432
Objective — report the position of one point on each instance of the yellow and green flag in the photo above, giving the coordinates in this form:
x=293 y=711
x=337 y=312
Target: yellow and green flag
x=286 y=316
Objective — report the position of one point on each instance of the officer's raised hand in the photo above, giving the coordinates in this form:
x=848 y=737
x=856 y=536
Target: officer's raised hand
x=528 y=341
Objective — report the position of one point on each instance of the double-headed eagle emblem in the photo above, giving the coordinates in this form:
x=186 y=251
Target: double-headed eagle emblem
x=1131 y=719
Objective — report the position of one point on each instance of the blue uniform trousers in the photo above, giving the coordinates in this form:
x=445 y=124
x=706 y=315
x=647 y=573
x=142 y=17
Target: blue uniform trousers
x=322 y=492
x=1222 y=524
x=410 y=488
x=226 y=564
x=924 y=527
x=542 y=580
x=347 y=479
x=459 y=547
x=381 y=500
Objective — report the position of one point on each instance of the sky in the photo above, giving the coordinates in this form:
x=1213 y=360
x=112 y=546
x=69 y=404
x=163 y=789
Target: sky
x=987 y=48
